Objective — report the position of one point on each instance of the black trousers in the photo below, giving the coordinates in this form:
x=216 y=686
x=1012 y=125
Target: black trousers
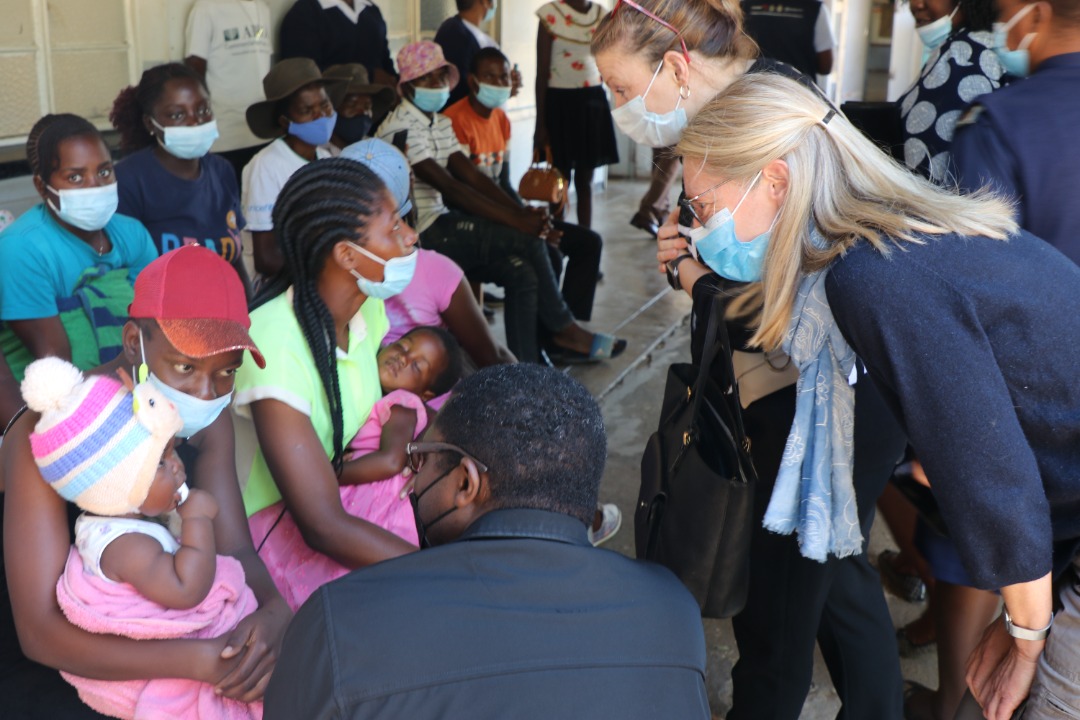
x=795 y=601
x=581 y=248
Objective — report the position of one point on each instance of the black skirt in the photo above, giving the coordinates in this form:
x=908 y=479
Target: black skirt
x=579 y=128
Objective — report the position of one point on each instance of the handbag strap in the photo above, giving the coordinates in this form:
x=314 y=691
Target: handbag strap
x=718 y=345
x=537 y=160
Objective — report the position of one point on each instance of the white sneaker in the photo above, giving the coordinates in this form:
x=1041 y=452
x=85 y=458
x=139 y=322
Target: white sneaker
x=612 y=521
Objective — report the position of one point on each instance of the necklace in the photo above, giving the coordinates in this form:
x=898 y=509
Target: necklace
x=259 y=28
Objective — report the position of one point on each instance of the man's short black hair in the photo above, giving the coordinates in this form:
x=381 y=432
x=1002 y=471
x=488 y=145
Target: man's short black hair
x=539 y=432
x=463 y=5
x=483 y=55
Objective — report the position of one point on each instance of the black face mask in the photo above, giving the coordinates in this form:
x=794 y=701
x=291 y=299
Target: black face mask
x=421 y=526
x=352 y=129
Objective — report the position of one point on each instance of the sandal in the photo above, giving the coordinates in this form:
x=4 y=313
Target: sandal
x=906 y=587
x=604 y=347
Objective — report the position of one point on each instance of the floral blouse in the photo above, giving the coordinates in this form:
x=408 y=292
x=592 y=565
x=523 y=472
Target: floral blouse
x=572 y=66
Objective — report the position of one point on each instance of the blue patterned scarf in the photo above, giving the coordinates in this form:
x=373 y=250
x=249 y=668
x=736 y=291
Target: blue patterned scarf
x=814 y=493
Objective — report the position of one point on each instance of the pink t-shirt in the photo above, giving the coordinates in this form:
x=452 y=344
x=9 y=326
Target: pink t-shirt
x=427 y=296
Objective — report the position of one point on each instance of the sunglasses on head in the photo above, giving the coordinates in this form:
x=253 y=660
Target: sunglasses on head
x=650 y=14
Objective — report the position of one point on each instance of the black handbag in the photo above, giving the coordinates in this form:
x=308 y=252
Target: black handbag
x=696 y=503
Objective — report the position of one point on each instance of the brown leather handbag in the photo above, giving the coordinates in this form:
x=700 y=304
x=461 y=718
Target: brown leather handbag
x=542 y=182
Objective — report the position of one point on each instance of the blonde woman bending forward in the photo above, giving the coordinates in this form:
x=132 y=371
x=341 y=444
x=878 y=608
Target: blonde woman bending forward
x=966 y=324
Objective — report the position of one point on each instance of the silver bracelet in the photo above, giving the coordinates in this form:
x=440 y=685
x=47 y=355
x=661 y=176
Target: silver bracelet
x=1023 y=633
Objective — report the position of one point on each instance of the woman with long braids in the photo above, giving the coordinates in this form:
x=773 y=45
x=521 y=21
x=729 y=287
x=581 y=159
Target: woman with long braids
x=319 y=322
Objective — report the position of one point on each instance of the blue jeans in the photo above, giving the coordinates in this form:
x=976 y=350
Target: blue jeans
x=519 y=263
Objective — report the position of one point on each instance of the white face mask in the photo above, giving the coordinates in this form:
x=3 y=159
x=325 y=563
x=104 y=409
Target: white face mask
x=88 y=209
x=646 y=127
x=187 y=142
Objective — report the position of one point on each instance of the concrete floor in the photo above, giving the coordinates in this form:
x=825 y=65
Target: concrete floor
x=635 y=302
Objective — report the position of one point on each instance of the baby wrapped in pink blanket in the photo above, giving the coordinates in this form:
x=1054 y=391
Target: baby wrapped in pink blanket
x=100 y=606
x=297 y=570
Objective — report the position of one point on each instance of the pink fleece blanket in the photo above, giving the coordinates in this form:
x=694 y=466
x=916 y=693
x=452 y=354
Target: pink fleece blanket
x=107 y=608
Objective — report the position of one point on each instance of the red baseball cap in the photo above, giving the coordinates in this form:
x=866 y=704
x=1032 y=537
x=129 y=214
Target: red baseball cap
x=198 y=301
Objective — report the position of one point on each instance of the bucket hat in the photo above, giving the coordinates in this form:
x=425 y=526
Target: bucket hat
x=419 y=58
x=283 y=80
x=356 y=75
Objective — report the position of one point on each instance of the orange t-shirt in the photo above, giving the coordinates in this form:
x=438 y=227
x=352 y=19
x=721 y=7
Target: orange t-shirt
x=486 y=138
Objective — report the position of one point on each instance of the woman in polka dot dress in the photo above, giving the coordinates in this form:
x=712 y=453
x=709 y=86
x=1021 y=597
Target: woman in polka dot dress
x=961 y=65
x=959 y=69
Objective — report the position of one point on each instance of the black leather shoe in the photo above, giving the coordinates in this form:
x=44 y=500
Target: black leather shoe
x=646 y=223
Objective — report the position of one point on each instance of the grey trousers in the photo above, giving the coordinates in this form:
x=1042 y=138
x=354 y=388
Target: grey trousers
x=1055 y=693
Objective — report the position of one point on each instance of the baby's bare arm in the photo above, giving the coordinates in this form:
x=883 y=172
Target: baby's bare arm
x=177 y=581
x=389 y=459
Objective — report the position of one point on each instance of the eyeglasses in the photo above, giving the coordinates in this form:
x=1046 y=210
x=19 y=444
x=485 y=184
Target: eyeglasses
x=417 y=450
x=689 y=203
x=647 y=13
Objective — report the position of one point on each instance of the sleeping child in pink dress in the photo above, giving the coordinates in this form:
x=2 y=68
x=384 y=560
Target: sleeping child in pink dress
x=418 y=368
x=109 y=448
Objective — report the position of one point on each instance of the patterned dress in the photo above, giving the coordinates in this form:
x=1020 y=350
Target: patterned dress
x=964 y=68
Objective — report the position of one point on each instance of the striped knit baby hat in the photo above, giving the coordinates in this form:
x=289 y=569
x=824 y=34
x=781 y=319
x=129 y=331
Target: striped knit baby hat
x=97 y=444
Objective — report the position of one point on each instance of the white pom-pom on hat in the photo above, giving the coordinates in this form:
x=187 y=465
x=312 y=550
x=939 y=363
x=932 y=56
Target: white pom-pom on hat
x=49 y=384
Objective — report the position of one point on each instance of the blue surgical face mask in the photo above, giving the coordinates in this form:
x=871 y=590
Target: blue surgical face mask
x=646 y=127
x=492 y=96
x=196 y=413
x=1016 y=62
x=935 y=33
x=314 y=132
x=431 y=100
x=718 y=247
x=490 y=14
x=188 y=142
x=88 y=209
x=397 y=274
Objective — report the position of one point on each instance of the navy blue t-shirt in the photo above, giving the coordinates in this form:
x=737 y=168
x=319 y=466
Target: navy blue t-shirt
x=1022 y=141
x=183 y=212
x=459 y=46
x=329 y=37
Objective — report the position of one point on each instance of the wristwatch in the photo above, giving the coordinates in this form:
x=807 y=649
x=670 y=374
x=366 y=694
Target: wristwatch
x=1023 y=633
x=673 y=270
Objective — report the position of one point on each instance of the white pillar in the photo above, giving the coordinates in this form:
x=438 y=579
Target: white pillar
x=904 y=60
x=853 y=41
